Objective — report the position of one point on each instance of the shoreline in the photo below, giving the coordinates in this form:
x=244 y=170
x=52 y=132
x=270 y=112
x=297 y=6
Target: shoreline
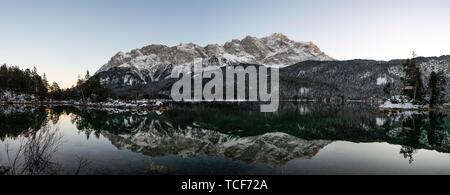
x=113 y=104
x=163 y=103
x=419 y=108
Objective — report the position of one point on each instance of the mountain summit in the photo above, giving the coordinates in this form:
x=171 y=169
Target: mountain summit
x=147 y=64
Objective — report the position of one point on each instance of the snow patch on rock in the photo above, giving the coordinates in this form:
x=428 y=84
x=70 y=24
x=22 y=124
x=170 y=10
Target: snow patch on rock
x=382 y=81
x=400 y=103
x=14 y=97
x=149 y=62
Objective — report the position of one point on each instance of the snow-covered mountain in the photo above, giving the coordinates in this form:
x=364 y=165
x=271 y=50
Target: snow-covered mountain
x=306 y=72
x=154 y=62
x=271 y=148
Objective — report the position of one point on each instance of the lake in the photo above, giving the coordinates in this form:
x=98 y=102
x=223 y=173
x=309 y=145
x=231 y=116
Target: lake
x=223 y=139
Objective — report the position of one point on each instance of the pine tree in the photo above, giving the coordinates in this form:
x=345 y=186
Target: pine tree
x=55 y=91
x=437 y=86
x=34 y=71
x=3 y=76
x=412 y=81
x=387 y=89
x=45 y=81
x=79 y=81
x=87 y=76
x=432 y=84
x=55 y=87
x=442 y=86
x=28 y=85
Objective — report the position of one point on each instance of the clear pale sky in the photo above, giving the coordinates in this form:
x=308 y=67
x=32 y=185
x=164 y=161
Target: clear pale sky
x=64 y=38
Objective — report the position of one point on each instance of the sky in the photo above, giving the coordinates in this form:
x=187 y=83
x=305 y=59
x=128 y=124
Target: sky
x=64 y=38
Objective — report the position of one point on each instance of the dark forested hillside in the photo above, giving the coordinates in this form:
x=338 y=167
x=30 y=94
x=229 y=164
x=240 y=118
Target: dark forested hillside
x=354 y=79
x=344 y=80
x=27 y=81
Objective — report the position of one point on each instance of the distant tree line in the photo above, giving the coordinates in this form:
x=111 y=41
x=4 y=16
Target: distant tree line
x=87 y=89
x=23 y=81
x=28 y=81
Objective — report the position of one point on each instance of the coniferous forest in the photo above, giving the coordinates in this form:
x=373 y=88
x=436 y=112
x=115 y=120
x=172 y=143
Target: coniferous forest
x=89 y=88
x=23 y=81
x=26 y=81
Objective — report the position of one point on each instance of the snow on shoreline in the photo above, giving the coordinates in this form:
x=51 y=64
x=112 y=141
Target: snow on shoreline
x=10 y=96
x=134 y=104
x=401 y=103
x=400 y=106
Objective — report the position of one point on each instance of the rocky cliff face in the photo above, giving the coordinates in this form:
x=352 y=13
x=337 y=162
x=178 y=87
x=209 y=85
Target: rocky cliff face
x=341 y=80
x=305 y=71
x=153 y=63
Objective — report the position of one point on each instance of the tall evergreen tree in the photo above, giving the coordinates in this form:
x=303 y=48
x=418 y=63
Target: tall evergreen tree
x=34 y=71
x=55 y=87
x=45 y=81
x=437 y=84
x=80 y=81
x=55 y=91
x=412 y=81
x=87 y=76
x=442 y=83
x=3 y=76
x=387 y=89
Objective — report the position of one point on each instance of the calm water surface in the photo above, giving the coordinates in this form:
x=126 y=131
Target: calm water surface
x=223 y=139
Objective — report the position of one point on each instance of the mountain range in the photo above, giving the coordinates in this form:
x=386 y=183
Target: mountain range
x=305 y=71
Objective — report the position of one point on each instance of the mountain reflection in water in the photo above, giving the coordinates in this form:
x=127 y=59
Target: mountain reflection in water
x=221 y=139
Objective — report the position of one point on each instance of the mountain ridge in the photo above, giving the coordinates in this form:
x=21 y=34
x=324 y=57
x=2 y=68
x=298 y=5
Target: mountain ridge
x=143 y=65
x=317 y=80
x=305 y=71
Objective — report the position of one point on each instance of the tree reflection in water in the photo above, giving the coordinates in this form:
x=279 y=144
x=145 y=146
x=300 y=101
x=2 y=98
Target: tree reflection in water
x=309 y=123
x=353 y=123
x=30 y=143
x=407 y=153
x=34 y=153
x=425 y=130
